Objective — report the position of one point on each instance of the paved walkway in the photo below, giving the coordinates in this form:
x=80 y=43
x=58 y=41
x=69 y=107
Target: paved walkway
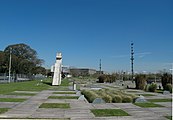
x=80 y=109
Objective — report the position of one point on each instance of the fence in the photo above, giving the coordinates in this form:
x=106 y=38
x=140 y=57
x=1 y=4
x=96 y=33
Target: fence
x=4 y=77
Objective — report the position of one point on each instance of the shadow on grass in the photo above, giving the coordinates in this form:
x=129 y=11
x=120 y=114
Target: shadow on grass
x=47 y=83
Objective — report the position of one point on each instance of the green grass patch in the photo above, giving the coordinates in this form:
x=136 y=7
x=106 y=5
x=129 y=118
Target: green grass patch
x=147 y=94
x=159 y=91
x=65 y=82
x=55 y=105
x=169 y=117
x=35 y=85
x=147 y=105
x=160 y=100
x=133 y=91
x=63 y=97
x=21 y=94
x=3 y=110
x=12 y=99
x=63 y=87
x=108 y=112
x=65 y=92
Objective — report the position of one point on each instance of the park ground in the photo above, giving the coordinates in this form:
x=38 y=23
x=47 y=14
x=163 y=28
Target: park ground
x=39 y=100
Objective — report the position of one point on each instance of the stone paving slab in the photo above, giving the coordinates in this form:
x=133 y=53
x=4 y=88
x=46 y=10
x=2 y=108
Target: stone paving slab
x=105 y=106
x=81 y=105
x=150 y=118
x=34 y=92
x=80 y=110
x=161 y=111
x=55 y=101
x=65 y=95
x=166 y=104
x=8 y=104
x=28 y=107
x=14 y=96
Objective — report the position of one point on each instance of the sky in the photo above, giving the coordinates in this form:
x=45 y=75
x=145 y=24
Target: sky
x=85 y=31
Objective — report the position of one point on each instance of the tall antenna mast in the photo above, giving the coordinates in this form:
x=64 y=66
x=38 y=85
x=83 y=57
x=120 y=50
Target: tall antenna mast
x=100 y=66
x=132 y=60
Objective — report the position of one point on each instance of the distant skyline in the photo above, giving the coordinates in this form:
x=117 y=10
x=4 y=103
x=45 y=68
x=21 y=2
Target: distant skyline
x=86 y=31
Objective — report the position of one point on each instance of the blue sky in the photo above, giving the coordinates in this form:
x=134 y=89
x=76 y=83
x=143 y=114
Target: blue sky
x=88 y=30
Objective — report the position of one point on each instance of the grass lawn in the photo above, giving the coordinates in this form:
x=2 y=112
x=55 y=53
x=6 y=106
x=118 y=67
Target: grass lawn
x=3 y=110
x=35 y=85
x=55 y=105
x=63 y=87
x=63 y=97
x=65 y=82
x=147 y=105
x=146 y=94
x=160 y=100
x=133 y=91
x=12 y=99
x=159 y=91
x=169 y=117
x=65 y=92
x=108 y=112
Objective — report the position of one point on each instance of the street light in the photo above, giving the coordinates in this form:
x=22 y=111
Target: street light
x=9 y=72
x=172 y=72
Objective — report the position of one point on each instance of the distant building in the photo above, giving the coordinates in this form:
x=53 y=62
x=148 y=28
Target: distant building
x=99 y=72
x=82 y=71
x=67 y=71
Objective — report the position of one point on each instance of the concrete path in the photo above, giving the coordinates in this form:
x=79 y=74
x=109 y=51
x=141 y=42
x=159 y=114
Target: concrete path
x=80 y=109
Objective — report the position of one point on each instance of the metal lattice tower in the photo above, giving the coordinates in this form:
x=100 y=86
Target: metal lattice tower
x=132 y=59
x=100 y=66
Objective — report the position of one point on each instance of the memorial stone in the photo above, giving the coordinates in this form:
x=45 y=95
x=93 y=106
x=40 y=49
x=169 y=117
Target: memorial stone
x=98 y=101
x=166 y=92
x=140 y=99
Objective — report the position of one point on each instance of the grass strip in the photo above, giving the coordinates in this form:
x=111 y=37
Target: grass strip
x=34 y=85
x=147 y=105
x=169 y=117
x=65 y=92
x=63 y=97
x=3 y=110
x=12 y=99
x=146 y=94
x=108 y=112
x=55 y=105
x=160 y=100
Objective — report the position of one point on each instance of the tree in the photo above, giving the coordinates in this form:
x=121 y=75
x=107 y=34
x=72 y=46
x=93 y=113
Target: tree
x=3 y=65
x=24 y=58
x=166 y=79
x=140 y=81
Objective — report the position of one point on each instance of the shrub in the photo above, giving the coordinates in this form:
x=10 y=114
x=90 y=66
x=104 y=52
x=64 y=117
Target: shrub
x=103 y=94
x=152 y=87
x=147 y=87
x=108 y=95
x=117 y=99
x=127 y=99
x=140 y=81
x=107 y=98
x=102 y=78
x=90 y=95
x=168 y=87
x=166 y=79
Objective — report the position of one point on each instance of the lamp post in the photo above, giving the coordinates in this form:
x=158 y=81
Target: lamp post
x=172 y=72
x=9 y=72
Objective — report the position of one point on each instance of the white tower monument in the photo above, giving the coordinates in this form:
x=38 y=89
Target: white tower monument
x=57 y=70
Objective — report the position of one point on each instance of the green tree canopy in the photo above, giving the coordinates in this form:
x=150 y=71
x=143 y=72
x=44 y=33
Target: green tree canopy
x=24 y=59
